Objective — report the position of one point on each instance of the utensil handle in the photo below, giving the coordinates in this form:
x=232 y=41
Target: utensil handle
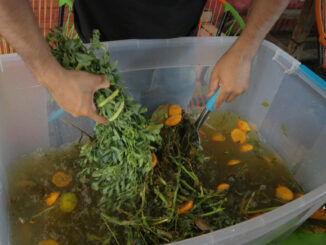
x=211 y=102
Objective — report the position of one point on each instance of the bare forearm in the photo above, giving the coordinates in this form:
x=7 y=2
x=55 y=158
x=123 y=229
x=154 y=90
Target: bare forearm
x=17 y=25
x=263 y=15
x=232 y=71
x=72 y=90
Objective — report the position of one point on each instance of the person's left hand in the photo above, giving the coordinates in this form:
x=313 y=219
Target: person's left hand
x=232 y=74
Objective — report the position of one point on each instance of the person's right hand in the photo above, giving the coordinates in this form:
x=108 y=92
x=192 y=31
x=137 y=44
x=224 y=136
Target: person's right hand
x=74 y=91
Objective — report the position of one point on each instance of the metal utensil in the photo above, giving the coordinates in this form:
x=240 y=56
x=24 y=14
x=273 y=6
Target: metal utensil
x=208 y=108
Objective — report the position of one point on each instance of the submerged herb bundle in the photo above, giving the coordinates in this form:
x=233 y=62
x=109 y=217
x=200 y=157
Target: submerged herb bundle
x=175 y=205
x=119 y=157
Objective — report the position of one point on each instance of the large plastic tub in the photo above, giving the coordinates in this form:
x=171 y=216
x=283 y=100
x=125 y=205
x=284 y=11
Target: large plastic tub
x=165 y=70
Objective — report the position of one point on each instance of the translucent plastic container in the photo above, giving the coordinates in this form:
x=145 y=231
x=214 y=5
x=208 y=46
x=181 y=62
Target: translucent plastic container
x=159 y=71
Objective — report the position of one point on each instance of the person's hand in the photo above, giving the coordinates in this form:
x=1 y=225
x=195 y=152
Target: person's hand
x=232 y=74
x=74 y=91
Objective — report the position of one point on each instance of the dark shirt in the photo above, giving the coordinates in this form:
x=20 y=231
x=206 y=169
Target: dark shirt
x=139 y=19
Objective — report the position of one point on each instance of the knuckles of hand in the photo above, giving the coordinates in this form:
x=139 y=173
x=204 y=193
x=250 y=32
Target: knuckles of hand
x=237 y=91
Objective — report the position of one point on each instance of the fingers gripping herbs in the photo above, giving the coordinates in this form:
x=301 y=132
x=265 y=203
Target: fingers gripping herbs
x=119 y=158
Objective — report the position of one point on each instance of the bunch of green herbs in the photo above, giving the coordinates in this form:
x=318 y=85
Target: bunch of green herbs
x=118 y=158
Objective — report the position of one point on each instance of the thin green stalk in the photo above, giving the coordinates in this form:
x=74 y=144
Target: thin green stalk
x=118 y=222
x=143 y=238
x=43 y=212
x=152 y=231
x=143 y=218
x=184 y=191
x=264 y=210
x=166 y=234
x=176 y=223
x=109 y=228
x=125 y=212
x=213 y=204
x=205 y=198
x=162 y=180
x=161 y=196
x=249 y=202
x=201 y=191
x=218 y=210
x=187 y=185
x=161 y=221
x=143 y=199
x=76 y=127
x=190 y=174
x=175 y=192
